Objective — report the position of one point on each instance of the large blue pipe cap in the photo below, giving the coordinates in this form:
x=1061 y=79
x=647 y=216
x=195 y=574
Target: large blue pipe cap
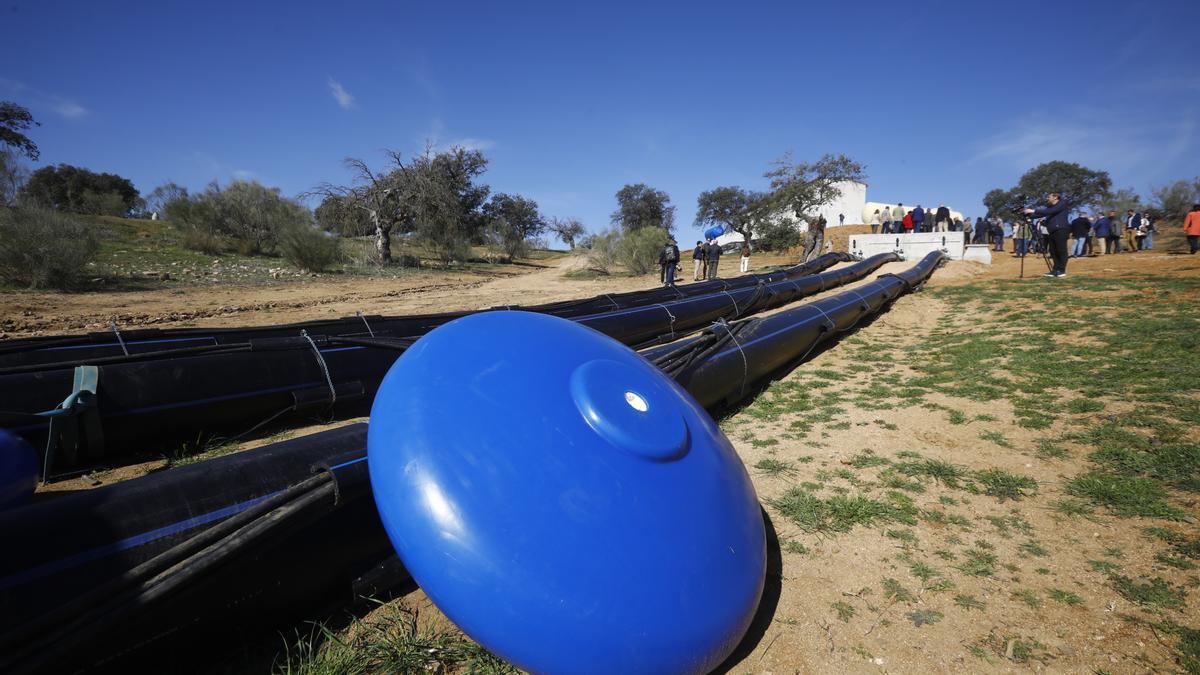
x=18 y=470
x=562 y=501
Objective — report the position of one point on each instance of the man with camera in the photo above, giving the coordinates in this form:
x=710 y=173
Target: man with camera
x=1056 y=229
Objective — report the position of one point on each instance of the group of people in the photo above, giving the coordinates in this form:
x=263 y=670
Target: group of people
x=898 y=220
x=1095 y=234
x=705 y=259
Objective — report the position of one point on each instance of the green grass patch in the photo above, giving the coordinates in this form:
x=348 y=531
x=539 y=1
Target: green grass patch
x=895 y=591
x=845 y=611
x=969 y=602
x=1125 y=495
x=840 y=513
x=1004 y=485
x=1027 y=596
x=978 y=563
x=775 y=467
x=1157 y=592
x=393 y=641
x=1064 y=597
x=997 y=438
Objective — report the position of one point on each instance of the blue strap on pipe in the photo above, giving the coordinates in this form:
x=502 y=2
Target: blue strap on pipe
x=76 y=411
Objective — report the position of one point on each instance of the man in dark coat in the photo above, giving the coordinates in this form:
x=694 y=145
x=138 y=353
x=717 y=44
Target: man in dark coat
x=698 y=261
x=667 y=259
x=714 y=257
x=1081 y=229
x=942 y=218
x=1056 y=230
x=918 y=219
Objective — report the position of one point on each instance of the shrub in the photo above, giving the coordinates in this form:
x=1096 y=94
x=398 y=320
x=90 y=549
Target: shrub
x=308 y=248
x=40 y=248
x=602 y=251
x=638 y=250
x=202 y=239
x=250 y=216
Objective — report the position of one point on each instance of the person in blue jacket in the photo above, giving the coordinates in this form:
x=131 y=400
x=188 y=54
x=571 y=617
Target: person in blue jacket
x=1056 y=230
x=918 y=219
x=1103 y=230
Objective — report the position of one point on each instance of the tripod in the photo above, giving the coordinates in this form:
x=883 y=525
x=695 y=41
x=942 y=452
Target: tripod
x=1022 y=223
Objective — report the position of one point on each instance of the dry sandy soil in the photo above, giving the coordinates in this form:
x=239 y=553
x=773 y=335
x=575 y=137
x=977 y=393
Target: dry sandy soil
x=828 y=604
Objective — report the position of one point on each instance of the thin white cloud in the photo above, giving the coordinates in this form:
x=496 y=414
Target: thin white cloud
x=344 y=98
x=433 y=139
x=70 y=109
x=1119 y=143
x=41 y=99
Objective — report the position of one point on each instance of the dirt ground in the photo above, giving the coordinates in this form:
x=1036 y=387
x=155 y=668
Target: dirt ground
x=828 y=606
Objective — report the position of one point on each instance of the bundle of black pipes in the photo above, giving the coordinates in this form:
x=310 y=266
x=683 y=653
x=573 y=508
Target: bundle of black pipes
x=60 y=351
x=264 y=538
x=147 y=401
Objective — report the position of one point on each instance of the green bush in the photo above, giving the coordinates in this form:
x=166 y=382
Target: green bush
x=638 y=250
x=602 y=251
x=308 y=248
x=247 y=215
x=41 y=248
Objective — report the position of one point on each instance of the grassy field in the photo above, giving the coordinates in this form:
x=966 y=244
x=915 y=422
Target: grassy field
x=1084 y=396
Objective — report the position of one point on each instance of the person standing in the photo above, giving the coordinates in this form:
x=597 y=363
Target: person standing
x=885 y=217
x=875 y=221
x=997 y=234
x=714 y=258
x=1056 y=229
x=941 y=218
x=898 y=219
x=918 y=219
x=1080 y=227
x=841 y=219
x=1191 y=228
x=745 y=256
x=816 y=238
x=1132 y=222
x=668 y=258
x=1021 y=234
x=981 y=231
x=1148 y=240
x=698 y=259
x=1103 y=231
x=1114 y=233
x=907 y=223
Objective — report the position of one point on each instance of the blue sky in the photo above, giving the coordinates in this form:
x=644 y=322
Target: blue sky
x=942 y=100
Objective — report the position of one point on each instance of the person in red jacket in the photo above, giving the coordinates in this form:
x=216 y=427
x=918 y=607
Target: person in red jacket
x=908 y=223
x=1191 y=227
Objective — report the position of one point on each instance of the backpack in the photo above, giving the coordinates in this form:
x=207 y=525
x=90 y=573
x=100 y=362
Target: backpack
x=670 y=254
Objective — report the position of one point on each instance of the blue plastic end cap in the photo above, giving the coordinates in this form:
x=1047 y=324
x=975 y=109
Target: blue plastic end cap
x=562 y=501
x=18 y=470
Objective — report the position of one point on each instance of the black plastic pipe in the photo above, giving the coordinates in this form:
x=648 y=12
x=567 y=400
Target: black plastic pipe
x=71 y=350
x=143 y=405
